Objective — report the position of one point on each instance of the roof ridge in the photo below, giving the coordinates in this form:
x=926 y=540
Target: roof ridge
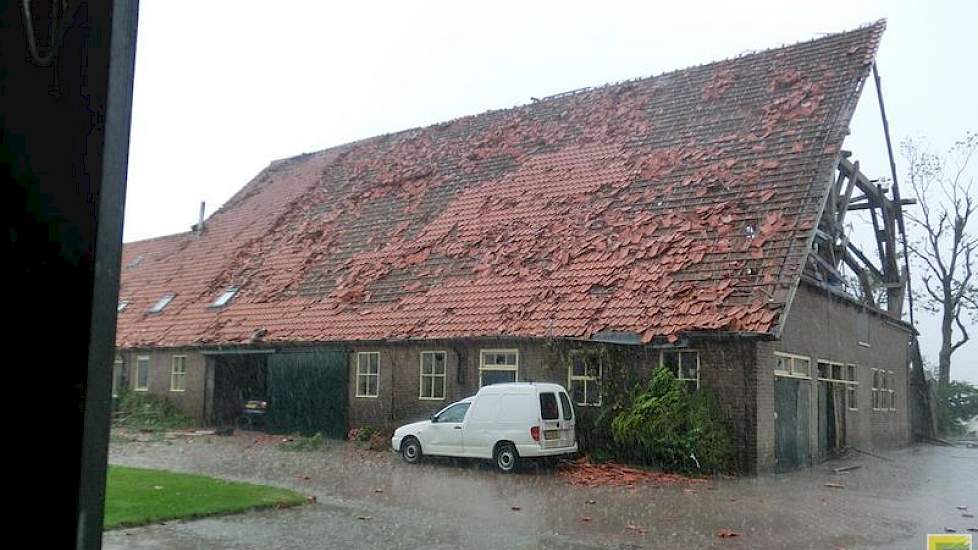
x=881 y=23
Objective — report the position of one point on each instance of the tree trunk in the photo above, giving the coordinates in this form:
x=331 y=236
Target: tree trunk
x=944 y=358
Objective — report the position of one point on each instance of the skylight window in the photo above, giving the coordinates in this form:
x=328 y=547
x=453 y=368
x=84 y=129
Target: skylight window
x=162 y=303
x=135 y=261
x=225 y=297
x=122 y=305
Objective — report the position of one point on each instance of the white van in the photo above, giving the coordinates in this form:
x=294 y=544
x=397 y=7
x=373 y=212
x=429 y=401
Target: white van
x=503 y=422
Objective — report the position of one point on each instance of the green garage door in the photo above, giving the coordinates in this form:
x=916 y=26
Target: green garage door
x=307 y=393
x=791 y=406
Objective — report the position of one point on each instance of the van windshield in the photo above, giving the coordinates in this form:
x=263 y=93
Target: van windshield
x=548 y=406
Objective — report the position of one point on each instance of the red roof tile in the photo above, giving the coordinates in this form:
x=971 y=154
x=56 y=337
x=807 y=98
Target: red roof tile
x=678 y=203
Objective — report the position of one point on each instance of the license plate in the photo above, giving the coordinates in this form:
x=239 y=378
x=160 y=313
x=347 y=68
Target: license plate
x=551 y=434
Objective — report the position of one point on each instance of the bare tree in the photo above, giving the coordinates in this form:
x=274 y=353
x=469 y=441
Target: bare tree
x=946 y=248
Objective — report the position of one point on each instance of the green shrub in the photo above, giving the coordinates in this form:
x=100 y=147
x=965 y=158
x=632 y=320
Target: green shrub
x=301 y=443
x=145 y=411
x=363 y=433
x=664 y=426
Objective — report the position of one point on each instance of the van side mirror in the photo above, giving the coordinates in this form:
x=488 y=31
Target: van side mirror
x=434 y=418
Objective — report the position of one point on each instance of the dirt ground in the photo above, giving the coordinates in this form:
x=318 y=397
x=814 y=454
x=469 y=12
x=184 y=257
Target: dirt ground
x=371 y=499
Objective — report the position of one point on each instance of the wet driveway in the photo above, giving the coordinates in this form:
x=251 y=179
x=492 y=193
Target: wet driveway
x=372 y=500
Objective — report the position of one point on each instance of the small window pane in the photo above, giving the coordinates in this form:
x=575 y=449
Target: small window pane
x=689 y=362
x=783 y=364
x=592 y=393
x=802 y=367
x=670 y=360
x=565 y=403
x=454 y=414
x=577 y=390
x=824 y=370
x=548 y=406
x=161 y=303
x=225 y=297
x=580 y=368
x=837 y=372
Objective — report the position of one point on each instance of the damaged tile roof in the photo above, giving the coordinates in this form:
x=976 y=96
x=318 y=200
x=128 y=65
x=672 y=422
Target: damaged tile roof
x=673 y=204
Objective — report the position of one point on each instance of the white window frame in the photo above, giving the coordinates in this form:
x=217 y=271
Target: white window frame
x=224 y=298
x=585 y=379
x=360 y=356
x=161 y=304
x=831 y=363
x=181 y=376
x=135 y=379
x=879 y=391
x=443 y=376
x=852 y=386
x=483 y=367
x=890 y=376
x=791 y=372
x=681 y=351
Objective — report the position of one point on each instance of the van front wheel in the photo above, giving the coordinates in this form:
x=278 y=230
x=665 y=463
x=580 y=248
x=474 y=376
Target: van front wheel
x=507 y=459
x=411 y=450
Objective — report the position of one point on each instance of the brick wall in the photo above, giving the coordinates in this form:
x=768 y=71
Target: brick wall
x=823 y=326
x=191 y=400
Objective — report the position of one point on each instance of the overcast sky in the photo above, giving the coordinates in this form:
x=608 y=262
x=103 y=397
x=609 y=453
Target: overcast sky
x=224 y=88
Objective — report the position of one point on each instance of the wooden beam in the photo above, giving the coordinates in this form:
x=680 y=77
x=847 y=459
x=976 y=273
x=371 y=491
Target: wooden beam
x=844 y=201
x=865 y=261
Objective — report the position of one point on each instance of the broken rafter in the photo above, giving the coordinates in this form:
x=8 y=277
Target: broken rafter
x=835 y=248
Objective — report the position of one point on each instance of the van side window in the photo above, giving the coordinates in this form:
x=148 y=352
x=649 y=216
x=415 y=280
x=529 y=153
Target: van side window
x=565 y=403
x=455 y=413
x=548 y=406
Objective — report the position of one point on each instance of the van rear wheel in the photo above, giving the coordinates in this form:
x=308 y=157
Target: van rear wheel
x=506 y=457
x=411 y=450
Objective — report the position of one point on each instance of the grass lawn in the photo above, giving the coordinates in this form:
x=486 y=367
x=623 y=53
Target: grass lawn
x=135 y=496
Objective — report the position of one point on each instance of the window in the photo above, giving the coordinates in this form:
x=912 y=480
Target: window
x=117 y=367
x=122 y=305
x=584 y=378
x=497 y=366
x=161 y=303
x=455 y=413
x=685 y=365
x=135 y=261
x=368 y=374
x=225 y=297
x=178 y=373
x=433 y=375
x=831 y=371
x=792 y=365
x=862 y=328
x=879 y=390
x=891 y=391
x=142 y=373
x=565 y=403
x=852 y=387
x=548 y=406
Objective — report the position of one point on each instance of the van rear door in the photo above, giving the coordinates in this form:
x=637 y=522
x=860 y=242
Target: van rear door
x=568 y=433
x=551 y=423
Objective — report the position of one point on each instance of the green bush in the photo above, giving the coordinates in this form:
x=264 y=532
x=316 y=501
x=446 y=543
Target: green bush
x=145 y=411
x=300 y=443
x=666 y=427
